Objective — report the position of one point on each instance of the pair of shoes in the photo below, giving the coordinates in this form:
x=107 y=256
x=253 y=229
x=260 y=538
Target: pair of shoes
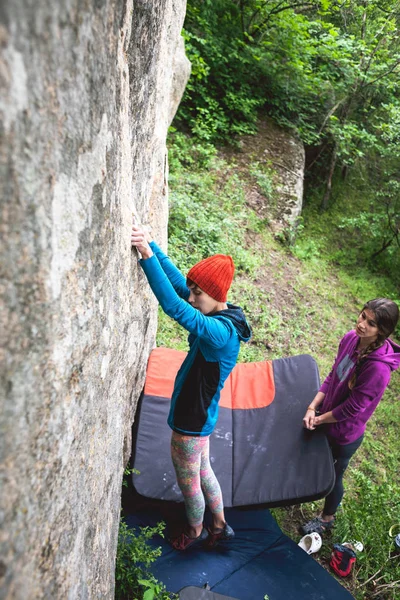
x=317 y=525
x=219 y=534
x=342 y=560
x=311 y=542
x=183 y=541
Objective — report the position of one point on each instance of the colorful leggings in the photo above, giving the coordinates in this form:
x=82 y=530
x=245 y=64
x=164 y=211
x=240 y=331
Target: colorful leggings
x=196 y=479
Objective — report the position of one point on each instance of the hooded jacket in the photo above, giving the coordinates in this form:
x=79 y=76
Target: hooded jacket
x=214 y=342
x=353 y=408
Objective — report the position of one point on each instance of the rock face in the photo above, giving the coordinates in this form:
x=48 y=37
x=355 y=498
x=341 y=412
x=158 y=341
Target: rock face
x=87 y=91
x=273 y=163
x=285 y=155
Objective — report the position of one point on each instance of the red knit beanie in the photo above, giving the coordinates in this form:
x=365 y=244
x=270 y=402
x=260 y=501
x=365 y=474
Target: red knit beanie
x=213 y=275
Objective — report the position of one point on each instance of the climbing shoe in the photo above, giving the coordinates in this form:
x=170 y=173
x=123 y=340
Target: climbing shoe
x=224 y=533
x=183 y=541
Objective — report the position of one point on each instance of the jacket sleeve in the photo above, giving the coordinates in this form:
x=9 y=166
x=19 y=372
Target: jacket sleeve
x=172 y=272
x=370 y=386
x=216 y=332
x=324 y=387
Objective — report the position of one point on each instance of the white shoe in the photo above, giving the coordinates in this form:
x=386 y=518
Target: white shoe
x=311 y=542
x=354 y=546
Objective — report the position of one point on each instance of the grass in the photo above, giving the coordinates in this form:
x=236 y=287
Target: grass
x=297 y=300
x=346 y=240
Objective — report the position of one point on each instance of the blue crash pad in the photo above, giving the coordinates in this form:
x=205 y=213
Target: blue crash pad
x=260 y=561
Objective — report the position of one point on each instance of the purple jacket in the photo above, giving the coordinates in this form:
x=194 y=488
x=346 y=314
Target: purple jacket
x=353 y=408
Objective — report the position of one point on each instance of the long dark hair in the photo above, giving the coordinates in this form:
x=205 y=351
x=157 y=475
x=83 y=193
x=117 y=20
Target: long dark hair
x=386 y=313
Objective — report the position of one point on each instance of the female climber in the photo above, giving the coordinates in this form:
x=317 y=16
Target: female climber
x=352 y=391
x=198 y=302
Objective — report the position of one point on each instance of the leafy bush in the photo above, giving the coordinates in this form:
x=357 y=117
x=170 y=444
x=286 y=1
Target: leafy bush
x=327 y=70
x=352 y=230
x=307 y=249
x=133 y=580
x=207 y=208
x=185 y=151
x=216 y=103
x=265 y=177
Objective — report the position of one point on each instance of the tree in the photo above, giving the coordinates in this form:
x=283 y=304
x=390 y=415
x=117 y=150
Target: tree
x=356 y=121
x=328 y=69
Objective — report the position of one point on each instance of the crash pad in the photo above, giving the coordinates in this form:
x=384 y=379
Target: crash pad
x=260 y=562
x=259 y=450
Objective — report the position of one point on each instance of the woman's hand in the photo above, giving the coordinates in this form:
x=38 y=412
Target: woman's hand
x=140 y=239
x=309 y=419
x=325 y=418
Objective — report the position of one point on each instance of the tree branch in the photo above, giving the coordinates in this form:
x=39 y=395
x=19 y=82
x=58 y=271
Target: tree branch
x=330 y=113
x=396 y=64
x=394 y=229
x=317 y=157
x=241 y=5
x=278 y=9
x=388 y=12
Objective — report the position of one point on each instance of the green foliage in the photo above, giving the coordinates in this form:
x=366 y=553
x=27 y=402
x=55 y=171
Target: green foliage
x=215 y=105
x=316 y=68
x=133 y=580
x=369 y=510
x=288 y=235
x=200 y=224
x=185 y=152
x=329 y=70
x=308 y=250
x=366 y=504
x=354 y=230
x=265 y=176
x=127 y=472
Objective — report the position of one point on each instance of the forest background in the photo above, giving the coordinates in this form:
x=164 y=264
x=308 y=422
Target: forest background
x=330 y=72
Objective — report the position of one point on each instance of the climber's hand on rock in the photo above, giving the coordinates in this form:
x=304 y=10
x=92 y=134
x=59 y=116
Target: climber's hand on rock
x=139 y=241
x=149 y=237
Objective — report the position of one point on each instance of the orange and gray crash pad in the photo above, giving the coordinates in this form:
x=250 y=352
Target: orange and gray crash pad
x=259 y=450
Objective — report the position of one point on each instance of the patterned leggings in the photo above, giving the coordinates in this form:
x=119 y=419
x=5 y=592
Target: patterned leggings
x=196 y=479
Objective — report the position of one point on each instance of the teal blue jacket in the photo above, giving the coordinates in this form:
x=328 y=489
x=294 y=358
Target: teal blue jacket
x=214 y=342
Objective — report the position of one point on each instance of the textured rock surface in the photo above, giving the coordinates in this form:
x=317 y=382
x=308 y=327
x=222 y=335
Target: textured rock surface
x=276 y=152
x=286 y=156
x=86 y=93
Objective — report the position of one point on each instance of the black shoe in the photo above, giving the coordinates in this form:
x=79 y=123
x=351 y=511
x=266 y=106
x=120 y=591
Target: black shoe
x=317 y=525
